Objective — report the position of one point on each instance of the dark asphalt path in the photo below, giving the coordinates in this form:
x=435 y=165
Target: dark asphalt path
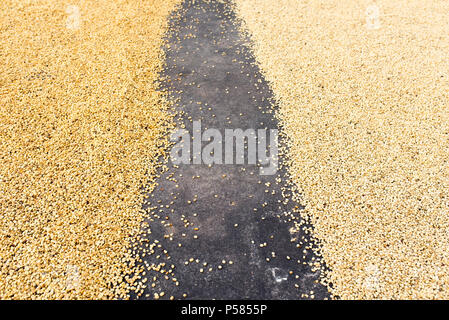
x=208 y=217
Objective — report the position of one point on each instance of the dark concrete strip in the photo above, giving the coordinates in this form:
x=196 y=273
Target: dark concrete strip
x=228 y=231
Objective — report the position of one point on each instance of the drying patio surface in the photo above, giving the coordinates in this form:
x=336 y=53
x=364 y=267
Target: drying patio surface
x=224 y=231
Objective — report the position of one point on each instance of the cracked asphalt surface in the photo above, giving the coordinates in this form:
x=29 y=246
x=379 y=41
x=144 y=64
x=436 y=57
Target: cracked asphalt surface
x=228 y=232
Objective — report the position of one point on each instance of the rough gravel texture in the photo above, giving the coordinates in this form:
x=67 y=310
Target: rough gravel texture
x=81 y=123
x=365 y=106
